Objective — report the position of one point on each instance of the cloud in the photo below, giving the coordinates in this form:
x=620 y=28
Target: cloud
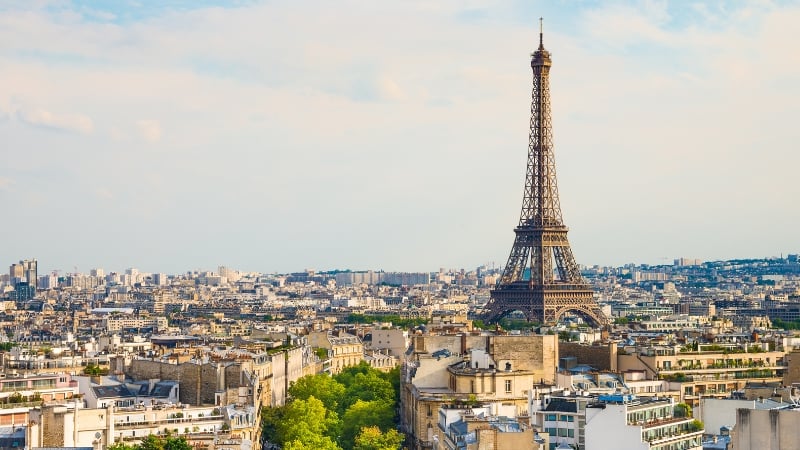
x=65 y=122
x=149 y=130
x=390 y=90
x=6 y=183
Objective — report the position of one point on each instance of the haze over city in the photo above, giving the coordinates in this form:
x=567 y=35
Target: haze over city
x=279 y=136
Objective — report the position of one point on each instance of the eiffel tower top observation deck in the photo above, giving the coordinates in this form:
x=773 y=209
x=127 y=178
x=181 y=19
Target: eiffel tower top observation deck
x=541 y=278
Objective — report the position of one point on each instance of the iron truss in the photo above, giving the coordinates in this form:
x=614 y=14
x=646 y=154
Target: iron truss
x=541 y=278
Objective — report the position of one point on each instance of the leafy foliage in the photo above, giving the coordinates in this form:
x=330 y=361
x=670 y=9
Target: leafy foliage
x=786 y=324
x=393 y=318
x=94 y=369
x=371 y=438
x=6 y=346
x=682 y=410
x=321 y=386
x=306 y=420
x=363 y=414
x=153 y=442
x=332 y=412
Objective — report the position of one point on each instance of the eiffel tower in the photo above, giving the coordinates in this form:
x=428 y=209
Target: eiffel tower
x=529 y=284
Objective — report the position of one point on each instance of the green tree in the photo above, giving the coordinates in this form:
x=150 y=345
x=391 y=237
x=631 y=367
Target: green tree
x=682 y=410
x=176 y=443
x=348 y=374
x=93 y=369
x=377 y=413
x=372 y=438
x=121 y=446
x=321 y=386
x=368 y=387
x=304 y=420
x=318 y=443
x=270 y=418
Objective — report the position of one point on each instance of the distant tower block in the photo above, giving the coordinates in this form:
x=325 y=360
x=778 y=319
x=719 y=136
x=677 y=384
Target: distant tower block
x=529 y=283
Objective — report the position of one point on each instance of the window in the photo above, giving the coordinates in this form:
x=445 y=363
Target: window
x=508 y=385
x=550 y=417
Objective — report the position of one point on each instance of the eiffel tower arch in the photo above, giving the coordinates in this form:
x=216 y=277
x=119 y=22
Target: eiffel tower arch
x=541 y=278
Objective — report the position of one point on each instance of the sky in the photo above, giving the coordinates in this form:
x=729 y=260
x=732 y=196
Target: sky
x=277 y=136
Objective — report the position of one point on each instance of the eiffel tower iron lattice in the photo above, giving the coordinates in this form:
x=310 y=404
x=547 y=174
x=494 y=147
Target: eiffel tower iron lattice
x=529 y=283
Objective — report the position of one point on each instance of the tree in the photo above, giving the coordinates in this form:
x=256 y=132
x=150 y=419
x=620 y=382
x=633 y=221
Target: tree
x=153 y=442
x=318 y=443
x=377 y=413
x=368 y=387
x=305 y=420
x=371 y=438
x=121 y=446
x=348 y=374
x=682 y=410
x=270 y=418
x=93 y=369
x=321 y=386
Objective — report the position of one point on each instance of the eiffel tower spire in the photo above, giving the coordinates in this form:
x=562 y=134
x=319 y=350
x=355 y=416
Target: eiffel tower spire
x=541 y=278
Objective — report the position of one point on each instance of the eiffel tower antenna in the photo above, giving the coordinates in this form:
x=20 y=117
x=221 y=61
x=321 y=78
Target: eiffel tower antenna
x=541 y=33
x=541 y=278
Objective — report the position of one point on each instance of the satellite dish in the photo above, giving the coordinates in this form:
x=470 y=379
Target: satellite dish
x=98 y=435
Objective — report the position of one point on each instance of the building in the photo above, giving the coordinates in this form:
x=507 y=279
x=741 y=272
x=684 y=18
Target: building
x=447 y=369
x=394 y=340
x=632 y=423
x=758 y=429
x=25 y=270
x=343 y=350
x=485 y=428
x=153 y=324
x=711 y=370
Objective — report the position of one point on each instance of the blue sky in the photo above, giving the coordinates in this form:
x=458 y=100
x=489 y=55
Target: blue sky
x=277 y=136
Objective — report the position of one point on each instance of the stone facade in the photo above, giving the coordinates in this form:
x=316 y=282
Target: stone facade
x=200 y=383
x=470 y=368
x=766 y=429
x=792 y=374
x=600 y=357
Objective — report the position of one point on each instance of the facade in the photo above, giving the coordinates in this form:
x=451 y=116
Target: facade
x=454 y=369
x=484 y=428
x=394 y=340
x=633 y=424
x=24 y=271
x=122 y=322
x=46 y=387
x=705 y=373
x=563 y=419
x=766 y=429
x=343 y=350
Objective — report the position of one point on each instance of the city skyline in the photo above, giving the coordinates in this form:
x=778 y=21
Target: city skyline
x=270 y=137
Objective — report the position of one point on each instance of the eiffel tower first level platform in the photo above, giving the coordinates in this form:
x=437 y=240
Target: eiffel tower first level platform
x=541 y=278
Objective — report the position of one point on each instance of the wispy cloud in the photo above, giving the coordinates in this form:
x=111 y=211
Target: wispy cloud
x=149 y=130
x=39 y=117
x=392 y=103
x=6 y=183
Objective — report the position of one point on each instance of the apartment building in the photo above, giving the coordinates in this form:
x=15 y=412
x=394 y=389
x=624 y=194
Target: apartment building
x=444 y=369
x=710 y=370
x=632 y=423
